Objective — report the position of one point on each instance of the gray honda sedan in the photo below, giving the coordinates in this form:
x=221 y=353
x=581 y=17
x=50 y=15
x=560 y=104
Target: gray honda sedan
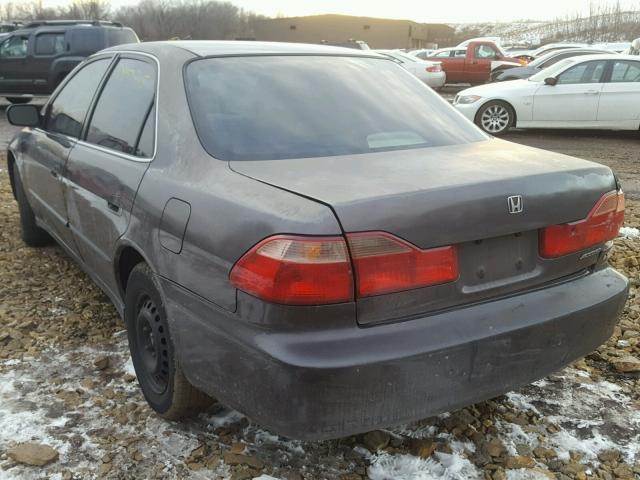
x=312 y=236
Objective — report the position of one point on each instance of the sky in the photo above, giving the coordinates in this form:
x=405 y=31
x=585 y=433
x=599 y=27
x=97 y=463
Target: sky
x=460 y=11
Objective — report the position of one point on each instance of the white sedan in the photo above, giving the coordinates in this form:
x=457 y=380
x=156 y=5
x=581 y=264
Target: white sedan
x=429 y=72
x=589 y=92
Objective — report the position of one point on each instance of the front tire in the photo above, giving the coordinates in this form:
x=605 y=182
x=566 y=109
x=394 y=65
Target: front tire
x=32 y=234
x=495 y=117
x=163 y=384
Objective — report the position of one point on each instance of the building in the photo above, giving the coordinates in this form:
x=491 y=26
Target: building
x=340 y=29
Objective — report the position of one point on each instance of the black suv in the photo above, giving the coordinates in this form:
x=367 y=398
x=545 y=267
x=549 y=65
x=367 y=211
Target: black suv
x=35 y=58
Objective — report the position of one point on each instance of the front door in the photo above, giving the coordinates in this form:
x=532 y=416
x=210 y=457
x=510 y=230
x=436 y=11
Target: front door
x=105 y=168
x=573 y=101
x=14 y=76
x=45 y=157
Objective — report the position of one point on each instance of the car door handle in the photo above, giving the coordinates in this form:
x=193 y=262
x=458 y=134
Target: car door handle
x=54 y=173
x=113 y=207
x=592 y=92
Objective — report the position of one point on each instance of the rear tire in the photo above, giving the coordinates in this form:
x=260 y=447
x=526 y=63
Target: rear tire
x=163 y=384
x=32 y=234
x=18 y=100
x=495 y=117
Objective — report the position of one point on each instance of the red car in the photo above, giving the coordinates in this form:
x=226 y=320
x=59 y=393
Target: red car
x=473 y=63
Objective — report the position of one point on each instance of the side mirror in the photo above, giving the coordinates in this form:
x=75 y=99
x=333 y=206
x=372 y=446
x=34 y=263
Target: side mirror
x=551 y=81
x=24 y=115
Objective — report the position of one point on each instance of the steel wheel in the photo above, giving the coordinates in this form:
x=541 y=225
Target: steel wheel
x=153 y=345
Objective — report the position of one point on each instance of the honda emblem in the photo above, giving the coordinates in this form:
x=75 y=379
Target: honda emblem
x=515 y=204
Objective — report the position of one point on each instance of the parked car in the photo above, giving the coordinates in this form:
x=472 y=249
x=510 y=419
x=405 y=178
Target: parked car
x=35 y=58
x=552 y=47
x=541 y=63
x=474 y=63
x=313 y=237
x=422 y=53
x=634 y=48
x=591 y=91
x=430 y=73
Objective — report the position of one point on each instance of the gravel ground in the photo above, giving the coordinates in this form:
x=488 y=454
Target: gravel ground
x=66 y=382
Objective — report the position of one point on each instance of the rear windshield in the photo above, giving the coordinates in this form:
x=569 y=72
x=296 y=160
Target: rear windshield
x=277 y=107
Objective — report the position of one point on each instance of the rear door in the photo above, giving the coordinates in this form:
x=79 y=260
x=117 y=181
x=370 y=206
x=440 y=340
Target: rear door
x=620 y=97
x=106 y=167
x=45 y=156
x=47 y=47
x=573 y=101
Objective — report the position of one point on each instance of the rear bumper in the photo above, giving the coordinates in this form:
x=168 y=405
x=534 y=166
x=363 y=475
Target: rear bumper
x=326 y=383
x=436 y=80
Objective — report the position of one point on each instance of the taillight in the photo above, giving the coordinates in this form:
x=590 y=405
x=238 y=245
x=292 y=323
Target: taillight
x=434 y=68
x=384 y=263
x=602 y=224
x=296 y=270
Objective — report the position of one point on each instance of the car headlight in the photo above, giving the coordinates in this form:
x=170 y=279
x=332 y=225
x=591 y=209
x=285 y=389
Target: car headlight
x=467 y=99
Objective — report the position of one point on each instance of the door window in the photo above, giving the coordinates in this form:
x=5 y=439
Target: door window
x=124 y=105
x=14 y=47
x=69 y=108
x=460 y=53
x=49 y=43
x=485 y=51
x=587 y=72
x=446 y=53
x=625 y=71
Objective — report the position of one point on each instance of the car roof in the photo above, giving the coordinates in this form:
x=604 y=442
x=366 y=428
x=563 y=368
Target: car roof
x=206 y=48
x=604 y=56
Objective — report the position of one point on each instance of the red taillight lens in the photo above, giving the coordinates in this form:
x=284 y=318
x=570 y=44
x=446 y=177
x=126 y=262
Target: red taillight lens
x=434 y=69
x=602 y=224
x=385 y=264
x=296 y=270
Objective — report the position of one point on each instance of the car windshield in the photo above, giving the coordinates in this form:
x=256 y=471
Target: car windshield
x=540 y=60
x=551 y=71
x=277 y=107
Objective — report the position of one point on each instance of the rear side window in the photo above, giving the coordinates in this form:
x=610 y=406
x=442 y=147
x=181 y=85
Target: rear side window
x=118 y=36
x=275 y=107
x=49 y=44
x=124 y=106
x=625 y=72
x=69 y=108
x=87 y=39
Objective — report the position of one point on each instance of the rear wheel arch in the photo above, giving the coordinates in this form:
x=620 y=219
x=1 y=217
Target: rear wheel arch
x=126 y=260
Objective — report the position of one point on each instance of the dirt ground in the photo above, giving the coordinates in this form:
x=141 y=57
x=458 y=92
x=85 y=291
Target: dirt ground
x=66 y=381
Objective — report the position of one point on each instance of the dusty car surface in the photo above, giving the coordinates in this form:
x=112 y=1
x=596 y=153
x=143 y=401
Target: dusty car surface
x=313 y=236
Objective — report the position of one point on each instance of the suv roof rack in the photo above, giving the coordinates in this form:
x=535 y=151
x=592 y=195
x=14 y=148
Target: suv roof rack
x=95 y=23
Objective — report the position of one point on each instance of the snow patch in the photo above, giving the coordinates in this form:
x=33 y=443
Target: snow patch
x=407 y=467
x=629 y=232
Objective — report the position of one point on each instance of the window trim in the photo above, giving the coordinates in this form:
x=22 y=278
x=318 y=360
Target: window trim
x=47 y=106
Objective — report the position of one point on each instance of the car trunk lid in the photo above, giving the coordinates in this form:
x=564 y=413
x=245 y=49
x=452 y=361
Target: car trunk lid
x=453 y=195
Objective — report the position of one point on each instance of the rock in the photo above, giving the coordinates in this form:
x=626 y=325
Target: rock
x=493 y=447
x=422 y=448
x=128 y=377
x=101 y=362
x=623 y=472
x=376 y=440
x=543 y=452
x=626 y=364
x=240 y=459
x=36 y=454
x=519 y=461
x=609 y=455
